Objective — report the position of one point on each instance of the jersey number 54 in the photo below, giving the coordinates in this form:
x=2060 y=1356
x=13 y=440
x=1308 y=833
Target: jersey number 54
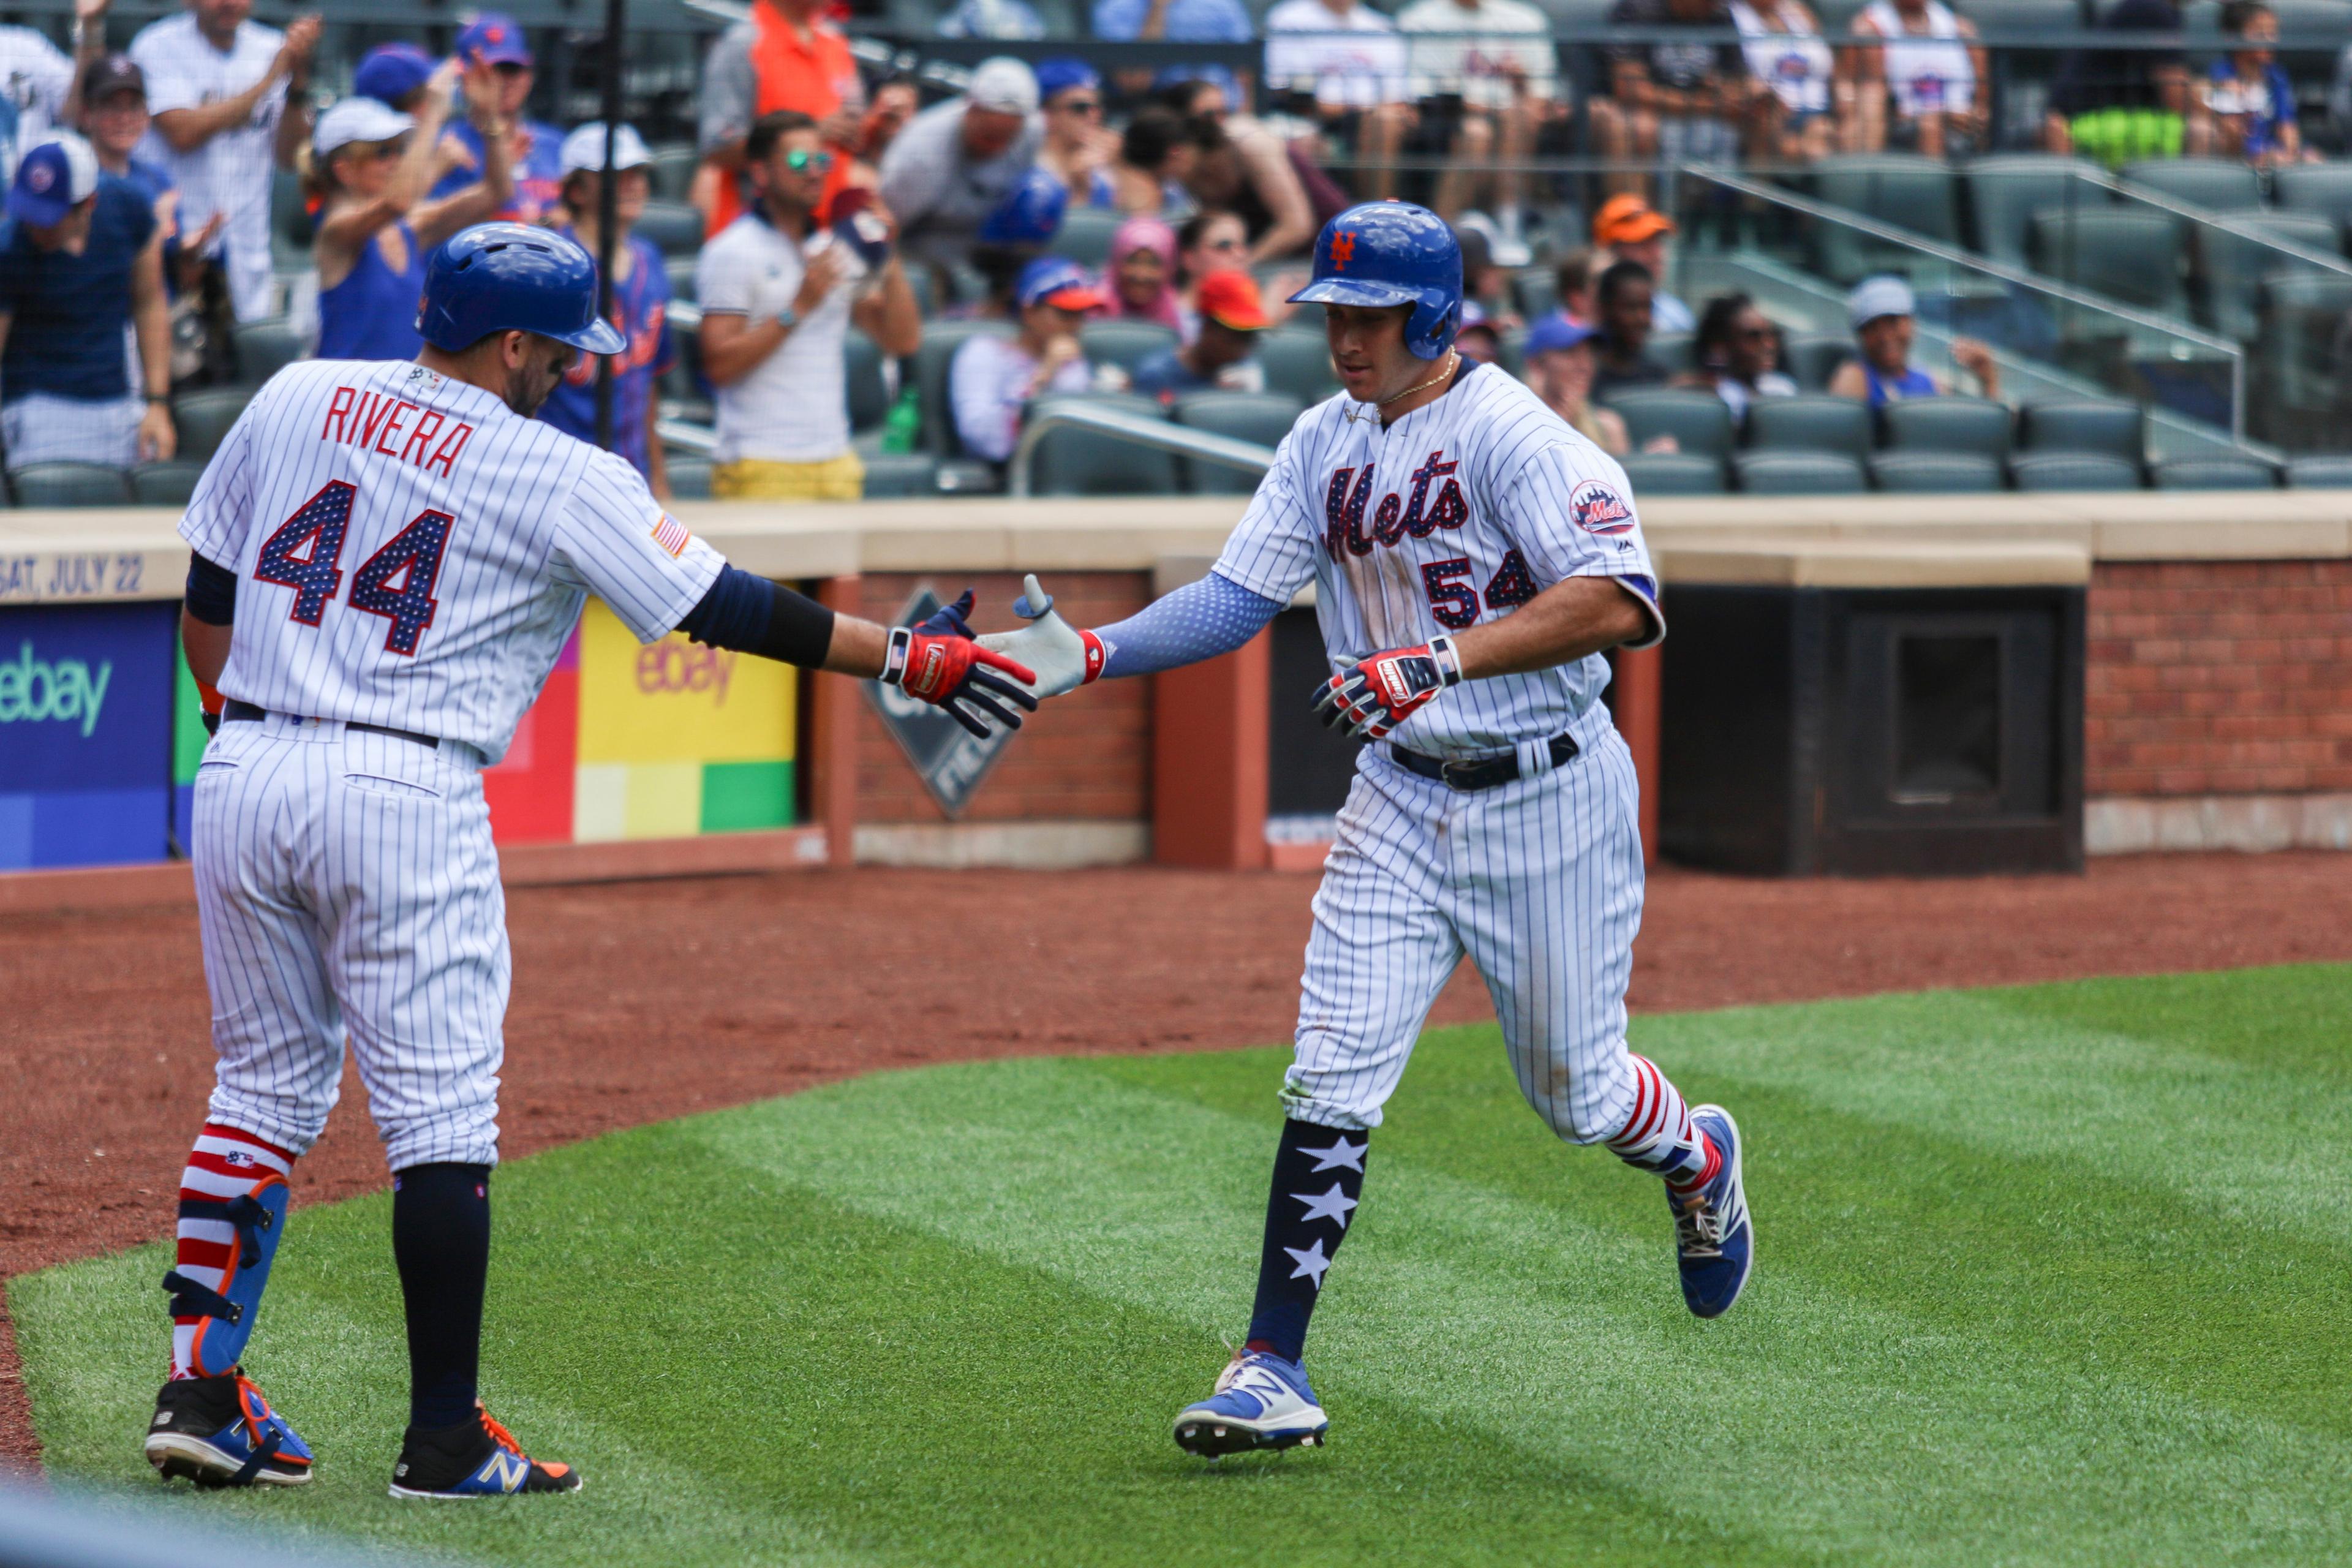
x=395 y=582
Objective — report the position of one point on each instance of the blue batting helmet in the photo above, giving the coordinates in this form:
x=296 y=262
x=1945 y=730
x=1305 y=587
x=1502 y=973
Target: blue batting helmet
x=508 y=278
x=1392 y=252
x=1031 y=212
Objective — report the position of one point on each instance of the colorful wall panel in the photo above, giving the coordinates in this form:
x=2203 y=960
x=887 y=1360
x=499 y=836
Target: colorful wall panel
x=86 y=753
x=677 y=739
x=531 y=790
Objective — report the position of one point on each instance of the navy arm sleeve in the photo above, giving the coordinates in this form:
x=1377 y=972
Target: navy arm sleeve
x=212 y=592
x=747 y=612
x=1200 y=620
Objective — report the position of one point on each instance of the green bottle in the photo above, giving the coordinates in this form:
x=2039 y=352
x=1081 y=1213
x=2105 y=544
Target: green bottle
x=903 y=424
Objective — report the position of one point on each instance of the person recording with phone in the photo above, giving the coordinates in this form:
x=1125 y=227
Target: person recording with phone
x=780 y=290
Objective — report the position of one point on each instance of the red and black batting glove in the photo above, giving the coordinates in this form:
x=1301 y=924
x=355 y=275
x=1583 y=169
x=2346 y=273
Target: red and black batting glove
x=1374 y=695
x=939 y=662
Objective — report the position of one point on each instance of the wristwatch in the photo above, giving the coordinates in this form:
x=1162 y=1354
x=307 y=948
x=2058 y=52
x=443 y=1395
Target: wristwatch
x=788 y=318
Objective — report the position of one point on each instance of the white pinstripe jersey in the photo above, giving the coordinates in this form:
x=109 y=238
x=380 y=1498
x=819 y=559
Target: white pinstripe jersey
x=1450 y=517
x=412 y=552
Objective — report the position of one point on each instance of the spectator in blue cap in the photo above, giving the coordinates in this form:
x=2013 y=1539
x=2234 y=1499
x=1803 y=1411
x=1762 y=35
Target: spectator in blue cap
x=1015 y=232
x=1559 y=366
x=394 y=75
x=535 y=147
x=991 y=380
x=1078 y=150
x=81 y=257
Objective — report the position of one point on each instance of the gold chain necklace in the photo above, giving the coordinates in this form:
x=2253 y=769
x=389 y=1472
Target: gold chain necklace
x=1453 y=361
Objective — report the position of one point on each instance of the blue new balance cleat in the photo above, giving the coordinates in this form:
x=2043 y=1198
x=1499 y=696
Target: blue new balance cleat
x=474 y=1458
x=1261 y=1402
x=1714 y=1242
x=220 y=1432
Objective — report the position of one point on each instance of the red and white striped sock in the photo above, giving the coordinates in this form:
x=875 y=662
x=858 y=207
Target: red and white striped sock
x=1659 y=1135
x=224 y=1163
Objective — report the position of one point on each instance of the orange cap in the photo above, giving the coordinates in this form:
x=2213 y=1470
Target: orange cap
x=1628 y=220
x=1231 y=300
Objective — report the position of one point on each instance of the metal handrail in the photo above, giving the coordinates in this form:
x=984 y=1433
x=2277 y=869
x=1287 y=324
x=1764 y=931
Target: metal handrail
x=1157 y=434
x=2235 y=354
x=700 y=439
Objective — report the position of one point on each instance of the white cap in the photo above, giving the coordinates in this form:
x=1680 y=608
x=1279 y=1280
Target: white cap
x=1885 y=295
x=1005 y=85
x=584 y=149
x=358 y=119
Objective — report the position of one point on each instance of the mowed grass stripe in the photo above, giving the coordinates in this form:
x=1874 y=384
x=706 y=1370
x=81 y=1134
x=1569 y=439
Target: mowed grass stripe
x=944 y=1317
x=1561 y=1334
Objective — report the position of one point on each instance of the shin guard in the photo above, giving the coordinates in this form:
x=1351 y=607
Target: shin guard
x=223 y=1312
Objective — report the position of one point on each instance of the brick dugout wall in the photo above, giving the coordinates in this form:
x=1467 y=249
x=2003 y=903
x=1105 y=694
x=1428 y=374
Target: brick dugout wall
x=2218 y=678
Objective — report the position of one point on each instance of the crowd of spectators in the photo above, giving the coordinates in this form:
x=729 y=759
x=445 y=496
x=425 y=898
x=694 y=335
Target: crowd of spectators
x=141 y=182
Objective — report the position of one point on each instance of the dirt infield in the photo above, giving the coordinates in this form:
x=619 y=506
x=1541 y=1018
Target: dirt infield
x=639 y=1000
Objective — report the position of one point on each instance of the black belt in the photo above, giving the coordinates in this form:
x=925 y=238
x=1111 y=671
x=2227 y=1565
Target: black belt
x=1470 y=774
x=248 y=712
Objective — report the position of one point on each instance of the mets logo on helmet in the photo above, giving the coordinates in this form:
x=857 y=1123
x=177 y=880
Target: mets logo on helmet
x=1597 y=508
x=1343 y=249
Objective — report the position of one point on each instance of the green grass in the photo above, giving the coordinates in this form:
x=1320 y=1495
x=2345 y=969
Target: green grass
x=2048 y=1275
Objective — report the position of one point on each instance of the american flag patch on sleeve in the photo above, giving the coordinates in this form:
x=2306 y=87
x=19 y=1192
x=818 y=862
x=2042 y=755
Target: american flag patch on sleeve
x=671 y=535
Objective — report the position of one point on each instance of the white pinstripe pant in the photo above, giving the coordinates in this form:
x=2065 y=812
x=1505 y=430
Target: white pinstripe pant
x=1539 y=881
x=346 y=882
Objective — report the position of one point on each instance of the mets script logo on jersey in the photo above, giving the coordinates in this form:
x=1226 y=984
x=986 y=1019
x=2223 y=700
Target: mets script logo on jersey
x=1396 y=517
x=379 y=422
x=1597 y=508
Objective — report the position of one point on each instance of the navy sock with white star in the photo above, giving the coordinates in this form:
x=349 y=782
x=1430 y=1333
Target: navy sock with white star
x=1318 y=1175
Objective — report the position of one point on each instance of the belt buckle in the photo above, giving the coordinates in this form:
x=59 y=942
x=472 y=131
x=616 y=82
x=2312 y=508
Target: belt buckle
x=1445 y=772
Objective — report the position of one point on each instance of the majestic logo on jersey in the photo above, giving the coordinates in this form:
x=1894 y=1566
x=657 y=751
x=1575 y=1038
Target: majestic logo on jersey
x=671 y=535
x=379 y=422
x=1343 y=249
x=1397 y=518
x=1597 y=508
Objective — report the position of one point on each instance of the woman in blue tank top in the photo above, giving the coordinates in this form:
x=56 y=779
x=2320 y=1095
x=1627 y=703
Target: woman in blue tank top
x=371 y=165
x=1883 y=312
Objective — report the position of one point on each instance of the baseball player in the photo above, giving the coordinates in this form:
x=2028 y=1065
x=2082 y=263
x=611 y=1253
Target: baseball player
x=388 y=558
x=1473 y=556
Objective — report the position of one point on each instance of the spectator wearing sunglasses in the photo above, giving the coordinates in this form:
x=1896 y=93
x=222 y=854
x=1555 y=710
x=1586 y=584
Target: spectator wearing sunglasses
x=1210 y=242
x=1739 y=354
x=779 y=294
x=1077 y=151
x=534 y=148
x=958 y=160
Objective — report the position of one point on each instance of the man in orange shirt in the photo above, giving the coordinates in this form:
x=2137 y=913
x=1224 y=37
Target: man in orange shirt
x=788 y=55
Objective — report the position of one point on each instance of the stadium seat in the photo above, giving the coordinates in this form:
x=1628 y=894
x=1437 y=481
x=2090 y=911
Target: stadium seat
x=2006 y=190
x=264 y=348
x=203 y=417
x=1264 y=417
x=1298 y=362
x=684 y=385
x=680 y=271
x=1699 y=421
x=2322 y=188
x=689 y=477
x=2331 y=472
x=1085 y=236
x=1945 y=473
x=1534 y=292
x=1124 y=344
x=1511 y=351
x=1972 y=425
x=1673 y=474
x=897 y=474
x=1673 y=350
x=1070 y=462
x=675 y=228
x=941 y=341
x=2130 y=255
x=2329 y=19
x=2098 y=425
x=1809 y=422
x=672 y=170
x=1902 y=191
x=1798 y=474
x=165 y=484
x=1813 y=357
x=2217 y=183
x=869 y=398
x=2072 y=472
x=2215 y=474
x=2234 y=266
x=68 y=484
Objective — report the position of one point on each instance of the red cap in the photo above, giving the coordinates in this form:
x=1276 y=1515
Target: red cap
x=1231 y=300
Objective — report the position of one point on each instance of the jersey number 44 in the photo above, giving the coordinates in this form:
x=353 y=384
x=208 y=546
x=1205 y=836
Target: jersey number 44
x=396 y=582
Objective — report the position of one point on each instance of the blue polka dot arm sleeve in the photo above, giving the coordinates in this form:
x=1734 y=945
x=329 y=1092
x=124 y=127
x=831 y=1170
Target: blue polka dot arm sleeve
x=1198 y=621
